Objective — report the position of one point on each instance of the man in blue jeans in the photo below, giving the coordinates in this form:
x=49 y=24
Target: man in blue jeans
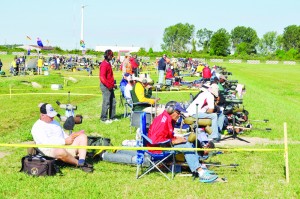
x=162 y=129
x=162 y=64
x=206 y=108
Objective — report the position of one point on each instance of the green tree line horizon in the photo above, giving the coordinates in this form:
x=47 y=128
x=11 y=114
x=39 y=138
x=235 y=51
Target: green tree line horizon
x=182 y=40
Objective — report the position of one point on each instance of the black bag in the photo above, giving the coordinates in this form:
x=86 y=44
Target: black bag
x=98 y=141
x=37 y=165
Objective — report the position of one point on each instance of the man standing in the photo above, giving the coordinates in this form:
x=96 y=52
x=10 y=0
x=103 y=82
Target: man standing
x=135 y=65
x=107 y=85
x=48 y=131
x=40 y=64
x=162 y=63
x=1 y=64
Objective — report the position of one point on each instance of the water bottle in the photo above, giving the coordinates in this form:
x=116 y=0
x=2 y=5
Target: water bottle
x=138 y=134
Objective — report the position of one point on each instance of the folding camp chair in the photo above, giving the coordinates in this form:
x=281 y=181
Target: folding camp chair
x=136 y=110
x=135 y=119
x=157 y=159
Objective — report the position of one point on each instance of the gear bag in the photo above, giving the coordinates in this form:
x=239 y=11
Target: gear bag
x=37 y=165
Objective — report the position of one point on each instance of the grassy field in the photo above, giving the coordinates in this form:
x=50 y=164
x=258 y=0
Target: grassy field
x=272 y=93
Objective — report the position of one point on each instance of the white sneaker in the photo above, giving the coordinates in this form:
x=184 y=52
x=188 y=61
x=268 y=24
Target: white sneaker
x=107 y=121
x=114 y=120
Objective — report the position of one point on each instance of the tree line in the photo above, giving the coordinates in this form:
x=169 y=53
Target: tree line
x=240 y=42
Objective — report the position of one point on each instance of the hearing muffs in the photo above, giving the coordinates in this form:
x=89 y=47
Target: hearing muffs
x=43 y=108
x=170 y=107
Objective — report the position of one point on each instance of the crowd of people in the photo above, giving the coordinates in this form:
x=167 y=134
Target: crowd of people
x=137 y=87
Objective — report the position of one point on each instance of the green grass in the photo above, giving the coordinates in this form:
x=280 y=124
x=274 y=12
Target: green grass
x=272 y=93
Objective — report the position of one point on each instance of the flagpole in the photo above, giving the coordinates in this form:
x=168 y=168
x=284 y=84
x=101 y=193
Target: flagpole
x=82 y=27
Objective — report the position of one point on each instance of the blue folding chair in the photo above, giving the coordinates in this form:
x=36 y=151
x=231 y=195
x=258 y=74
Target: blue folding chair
x=157 y=160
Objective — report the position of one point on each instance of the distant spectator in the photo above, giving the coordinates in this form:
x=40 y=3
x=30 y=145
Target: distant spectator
x=40 y=64
x=1 y=64
x=206 y=73
x=162 y=63
x=126 y=65
x=135 y=65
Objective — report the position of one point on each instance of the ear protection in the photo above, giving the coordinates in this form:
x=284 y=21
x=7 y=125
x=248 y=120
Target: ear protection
x=43 y=108
x=170 y=107
x=108 y=53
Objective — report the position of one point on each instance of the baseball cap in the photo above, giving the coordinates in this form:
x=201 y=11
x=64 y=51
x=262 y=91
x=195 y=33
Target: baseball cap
x=126 y=74
x=47 y=109
x=205 y=86
x=179 y=108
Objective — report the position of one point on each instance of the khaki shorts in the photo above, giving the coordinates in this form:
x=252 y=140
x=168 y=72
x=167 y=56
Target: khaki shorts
x=51 y=151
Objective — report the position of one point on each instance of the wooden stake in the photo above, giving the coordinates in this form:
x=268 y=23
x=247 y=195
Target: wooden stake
x=10 y=91
x=286 y=154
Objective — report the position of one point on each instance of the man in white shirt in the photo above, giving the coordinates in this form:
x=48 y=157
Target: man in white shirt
x=48 y=131
x=128 y=88
x=206 y=106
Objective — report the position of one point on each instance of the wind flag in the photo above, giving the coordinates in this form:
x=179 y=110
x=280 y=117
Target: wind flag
x=39 y=42
x=82 y=44
x=27 y=37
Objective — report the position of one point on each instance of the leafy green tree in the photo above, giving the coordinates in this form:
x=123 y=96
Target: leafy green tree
x=267 y=44
x=204 y=36
x=177 y=37
x=150 y=50
x=220 y=43
x=194 y=43
x=291 y=37
x=279 y=42
x=248 y=36
x=142 y=52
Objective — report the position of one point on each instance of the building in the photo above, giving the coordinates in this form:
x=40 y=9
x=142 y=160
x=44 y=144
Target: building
x=120 y=50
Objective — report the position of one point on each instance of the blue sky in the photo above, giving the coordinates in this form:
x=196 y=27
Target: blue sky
x=135 y=22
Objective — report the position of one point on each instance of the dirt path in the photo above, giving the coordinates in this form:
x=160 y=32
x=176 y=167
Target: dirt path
x=251 y=141
x=3 y=154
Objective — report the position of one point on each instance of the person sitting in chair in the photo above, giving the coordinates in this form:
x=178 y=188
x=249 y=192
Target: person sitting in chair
x=206 y=109
x=142 y=92
x=48 y=131
x=162 y=129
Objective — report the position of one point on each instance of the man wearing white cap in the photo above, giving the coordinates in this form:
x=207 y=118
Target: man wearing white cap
x=48 y=131
x=206 y=106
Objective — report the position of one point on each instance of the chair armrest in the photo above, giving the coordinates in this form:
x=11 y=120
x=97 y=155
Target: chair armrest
x=140 y=103
x=147 y=138
x=159 y=143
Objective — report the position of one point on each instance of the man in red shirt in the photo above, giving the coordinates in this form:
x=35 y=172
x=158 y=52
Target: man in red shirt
x=135 y=65
x=206 y=73
x=107 y=85
x=162 y=129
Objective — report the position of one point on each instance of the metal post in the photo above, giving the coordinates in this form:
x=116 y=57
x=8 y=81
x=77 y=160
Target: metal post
x=286 y=154
x=197 y=129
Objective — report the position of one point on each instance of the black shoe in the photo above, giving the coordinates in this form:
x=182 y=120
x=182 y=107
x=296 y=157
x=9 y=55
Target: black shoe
x=98 y=155
x=87 y=168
